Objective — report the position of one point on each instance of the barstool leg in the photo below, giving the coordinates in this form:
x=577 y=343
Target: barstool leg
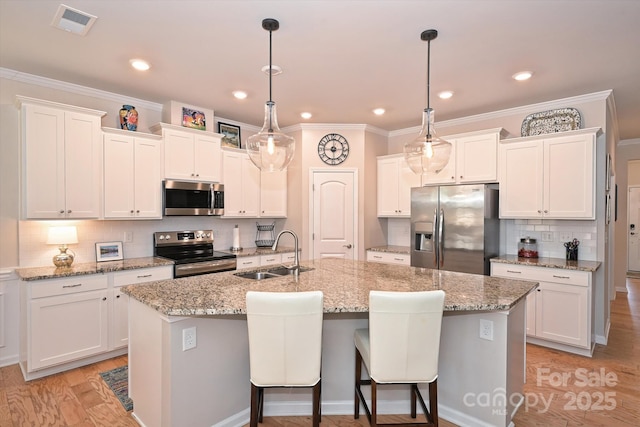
x=255 y=403
x=356 y=405
x=433 y=401
x=374 y=403
x=316 y=405
x=414 y=390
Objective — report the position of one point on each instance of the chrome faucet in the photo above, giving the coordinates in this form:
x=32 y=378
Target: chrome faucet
x=296 y=261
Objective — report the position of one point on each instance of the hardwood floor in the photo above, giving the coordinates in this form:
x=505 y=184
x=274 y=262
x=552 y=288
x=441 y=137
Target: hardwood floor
x=599 y=391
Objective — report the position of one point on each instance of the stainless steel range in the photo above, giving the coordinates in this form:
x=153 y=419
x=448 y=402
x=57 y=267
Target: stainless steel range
x=192 y=252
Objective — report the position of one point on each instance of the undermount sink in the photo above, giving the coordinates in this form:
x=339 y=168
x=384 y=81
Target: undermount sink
x=274 y=272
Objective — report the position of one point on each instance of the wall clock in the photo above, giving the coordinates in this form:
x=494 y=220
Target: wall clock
x=333 y=149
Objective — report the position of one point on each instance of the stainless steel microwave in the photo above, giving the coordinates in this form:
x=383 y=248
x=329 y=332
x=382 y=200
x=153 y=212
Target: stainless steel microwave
x=186 y=198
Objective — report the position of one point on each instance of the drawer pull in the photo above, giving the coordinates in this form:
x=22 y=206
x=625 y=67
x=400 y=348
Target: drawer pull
x=72 y=286
x=142 y=276
x=512 y=271
x=561 y=277
x=377 y=257
x=398 y=259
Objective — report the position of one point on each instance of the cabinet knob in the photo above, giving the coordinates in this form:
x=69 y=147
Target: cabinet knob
x=62 y=211
x=197 y=174
x=69 y=211
x=104 y=298
x=461 y=177
x=138 y=211
x=538 y=290
x=131 y=210
x=546 y=211
x=539 y=211
x=347 y=246
x=453 y=177
x=117 y=296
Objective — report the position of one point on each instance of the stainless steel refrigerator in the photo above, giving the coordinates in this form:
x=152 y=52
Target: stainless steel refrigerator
x=455 y=227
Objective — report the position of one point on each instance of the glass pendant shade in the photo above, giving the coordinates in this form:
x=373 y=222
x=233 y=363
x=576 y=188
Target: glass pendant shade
x=270 y=149
x=427 y=153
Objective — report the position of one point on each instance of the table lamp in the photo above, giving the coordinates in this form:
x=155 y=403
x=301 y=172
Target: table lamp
x=63 y=236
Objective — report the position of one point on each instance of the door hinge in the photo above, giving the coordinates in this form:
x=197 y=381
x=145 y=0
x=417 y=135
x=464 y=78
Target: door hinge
x=313 y=236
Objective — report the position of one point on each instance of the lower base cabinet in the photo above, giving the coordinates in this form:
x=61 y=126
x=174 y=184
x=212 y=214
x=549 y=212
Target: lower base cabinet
x=74 y=321
x=256 y=261
x=559 y=311
x=388 y=257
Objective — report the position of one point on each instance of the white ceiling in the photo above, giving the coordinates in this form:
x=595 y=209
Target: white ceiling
x=341 y=59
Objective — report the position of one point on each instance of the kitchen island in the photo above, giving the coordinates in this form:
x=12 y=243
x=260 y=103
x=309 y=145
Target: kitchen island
x=480 y=379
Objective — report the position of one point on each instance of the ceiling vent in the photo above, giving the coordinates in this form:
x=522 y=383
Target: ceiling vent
x=72 y=20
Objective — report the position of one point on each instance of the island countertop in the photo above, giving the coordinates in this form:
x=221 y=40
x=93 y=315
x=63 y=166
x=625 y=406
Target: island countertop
x=345 y=284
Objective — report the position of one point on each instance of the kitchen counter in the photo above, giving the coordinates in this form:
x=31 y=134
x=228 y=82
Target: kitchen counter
x=208 y=385
x=590 y=266
x=404 y=250
x=79 y=269
x=345 y=284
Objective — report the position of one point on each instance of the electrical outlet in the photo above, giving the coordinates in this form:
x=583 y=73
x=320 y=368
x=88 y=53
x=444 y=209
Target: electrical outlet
x=566 y=236
x=486 y=329
x=128 y=236
x=189 y=338
x=547 y=236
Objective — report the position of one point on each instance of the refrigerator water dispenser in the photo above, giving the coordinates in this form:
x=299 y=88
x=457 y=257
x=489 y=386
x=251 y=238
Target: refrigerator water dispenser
x=423 y=236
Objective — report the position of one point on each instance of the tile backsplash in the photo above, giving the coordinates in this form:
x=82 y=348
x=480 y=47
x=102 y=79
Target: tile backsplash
x=34 y=252
x=550 y=236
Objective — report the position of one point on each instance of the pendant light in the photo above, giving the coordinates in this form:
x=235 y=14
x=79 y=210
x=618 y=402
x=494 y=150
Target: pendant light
x=270 y=149
x=427 y=153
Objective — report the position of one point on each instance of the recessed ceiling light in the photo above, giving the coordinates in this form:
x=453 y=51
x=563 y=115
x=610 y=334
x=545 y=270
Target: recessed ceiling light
x=306 y=115
x=445 y=94
x=522 y=75
x=275 y=70
x=378 y=111
x=239 y=94
x=140 y=64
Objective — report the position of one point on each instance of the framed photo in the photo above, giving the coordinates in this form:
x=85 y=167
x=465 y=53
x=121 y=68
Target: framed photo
x=230 y=135
x=108 y=251
x=194 y=119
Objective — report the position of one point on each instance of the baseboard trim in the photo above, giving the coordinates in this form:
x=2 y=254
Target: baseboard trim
x=622 y=289
x=604 y=339
x=9 y=360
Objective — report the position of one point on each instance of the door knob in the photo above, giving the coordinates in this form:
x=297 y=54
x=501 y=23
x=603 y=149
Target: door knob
x=347 y=246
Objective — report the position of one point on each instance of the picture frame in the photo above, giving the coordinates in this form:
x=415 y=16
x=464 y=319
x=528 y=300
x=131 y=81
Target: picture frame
x=230 y=135
x=194 y=119
x=109 y=251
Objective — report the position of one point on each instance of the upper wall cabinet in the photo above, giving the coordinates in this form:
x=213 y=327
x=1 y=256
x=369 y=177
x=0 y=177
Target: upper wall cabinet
x=549 y=176
x=190 y=154
x=474 y=158
x=132 y=175
x=395 y=180
x=61 y=151
x=241 y=185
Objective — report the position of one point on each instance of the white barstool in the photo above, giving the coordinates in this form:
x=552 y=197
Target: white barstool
x=285 y=345
x=401 y=346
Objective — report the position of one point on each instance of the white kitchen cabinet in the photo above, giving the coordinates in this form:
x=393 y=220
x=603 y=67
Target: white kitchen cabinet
x=241 y=179
x=67 y=319
x=247 y=262
x=550 y=177
x=388 y=258
x=559 y=311
x=273 y=194
x=395 y=180
x=190 y=154
x=77 y=320
x=270 y=259
x=61 y=151
x=120 y=316
x=256 y=261
x=474 y=159
x=132 y=175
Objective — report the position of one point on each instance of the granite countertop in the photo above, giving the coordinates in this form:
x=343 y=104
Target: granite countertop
x=261 y=251
x=345 y=284
x=548 y=262
x=79 y=269
x=404 y=250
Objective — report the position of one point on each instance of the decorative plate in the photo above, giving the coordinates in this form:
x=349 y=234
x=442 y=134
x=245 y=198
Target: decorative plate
x=552 y=121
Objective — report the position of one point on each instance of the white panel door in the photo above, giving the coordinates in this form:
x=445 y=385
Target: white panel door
x=334 y=199
x=634 y=229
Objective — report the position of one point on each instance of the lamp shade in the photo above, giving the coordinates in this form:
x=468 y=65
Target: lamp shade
x=428 y=153
x=62 y=235
x=270 y=149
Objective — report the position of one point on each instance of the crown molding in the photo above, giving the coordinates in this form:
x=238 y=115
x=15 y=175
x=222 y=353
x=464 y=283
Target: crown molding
x=337 y=126
x=77 y=89
x=524 y=109
x=625 y=142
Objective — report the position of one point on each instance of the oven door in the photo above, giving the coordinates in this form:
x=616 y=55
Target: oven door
x=204 y=267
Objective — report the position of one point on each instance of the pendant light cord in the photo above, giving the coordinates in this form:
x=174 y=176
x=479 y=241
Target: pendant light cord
x=428 y=73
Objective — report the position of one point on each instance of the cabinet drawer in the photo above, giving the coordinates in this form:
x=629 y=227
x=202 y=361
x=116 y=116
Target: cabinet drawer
x=388 y=258
x=142 y=275
x=542 y=274
x=270 y=259
x=68 y=285
x=288 y=257
x=248 y=262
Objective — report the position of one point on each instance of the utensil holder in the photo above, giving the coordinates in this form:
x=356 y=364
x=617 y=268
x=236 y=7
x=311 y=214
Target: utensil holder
x=572 y=254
